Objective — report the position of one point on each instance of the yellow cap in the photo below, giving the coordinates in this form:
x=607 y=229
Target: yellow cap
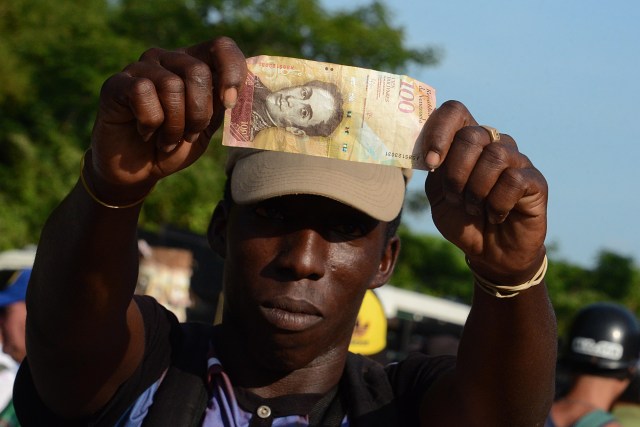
x=370 y=333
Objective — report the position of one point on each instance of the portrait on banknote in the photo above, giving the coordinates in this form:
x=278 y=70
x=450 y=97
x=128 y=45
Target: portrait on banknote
x=313 y=108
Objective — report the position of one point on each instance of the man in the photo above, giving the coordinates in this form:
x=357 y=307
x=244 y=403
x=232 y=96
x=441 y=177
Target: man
x=311 y=109
x=13 y=315
x=601 y=354
x=300 y=251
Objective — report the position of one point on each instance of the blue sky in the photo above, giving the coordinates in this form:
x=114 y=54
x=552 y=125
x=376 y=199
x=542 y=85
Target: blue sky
x=561 y=77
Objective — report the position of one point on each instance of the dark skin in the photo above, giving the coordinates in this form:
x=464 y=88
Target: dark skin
x=292 y=255
x=156 y=118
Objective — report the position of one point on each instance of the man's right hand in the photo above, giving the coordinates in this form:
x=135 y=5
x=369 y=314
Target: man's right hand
x=157 y=116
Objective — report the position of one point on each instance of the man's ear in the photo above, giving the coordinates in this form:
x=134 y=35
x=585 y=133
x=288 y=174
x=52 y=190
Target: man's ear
x=296 y=131
x=217 y=230
x=387 y=262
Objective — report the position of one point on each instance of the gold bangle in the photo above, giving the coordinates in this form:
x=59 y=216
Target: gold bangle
x=96 y=199
x=509 y=291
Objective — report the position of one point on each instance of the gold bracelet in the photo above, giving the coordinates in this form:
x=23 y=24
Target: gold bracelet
x=509 y=291
x=96 y=199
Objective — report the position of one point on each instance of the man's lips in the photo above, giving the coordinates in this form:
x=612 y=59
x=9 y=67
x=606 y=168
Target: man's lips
x=290 y=314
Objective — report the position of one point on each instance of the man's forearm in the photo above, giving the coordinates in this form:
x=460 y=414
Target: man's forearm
x=85 y=270
x=508 y=355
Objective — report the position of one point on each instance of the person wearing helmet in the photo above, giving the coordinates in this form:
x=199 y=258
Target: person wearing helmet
x=601 y=354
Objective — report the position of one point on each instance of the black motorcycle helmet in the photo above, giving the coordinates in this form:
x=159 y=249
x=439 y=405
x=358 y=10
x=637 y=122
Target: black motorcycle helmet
x=603 y=339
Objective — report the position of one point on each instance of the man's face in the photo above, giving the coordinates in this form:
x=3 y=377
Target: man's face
x=299 y=107
x=296 y=269
x=12 y=327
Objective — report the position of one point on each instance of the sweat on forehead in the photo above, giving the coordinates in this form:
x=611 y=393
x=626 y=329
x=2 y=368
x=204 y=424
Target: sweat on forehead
x=258 y=175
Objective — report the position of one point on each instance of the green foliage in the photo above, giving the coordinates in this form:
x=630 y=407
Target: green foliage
x=363 y=36
x=432 y=265
x=54 y=57
x=614 y=274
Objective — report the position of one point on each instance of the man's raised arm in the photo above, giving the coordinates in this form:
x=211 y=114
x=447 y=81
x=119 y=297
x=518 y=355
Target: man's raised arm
x=156 y=117
x=489 y=200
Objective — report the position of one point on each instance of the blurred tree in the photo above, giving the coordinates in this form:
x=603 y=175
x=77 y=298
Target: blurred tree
x=53 y=59
x=614 y=274
x=432 y=265
x=569 y=289
x=363 y=36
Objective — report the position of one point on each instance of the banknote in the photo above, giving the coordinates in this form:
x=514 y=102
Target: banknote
x=330 y=110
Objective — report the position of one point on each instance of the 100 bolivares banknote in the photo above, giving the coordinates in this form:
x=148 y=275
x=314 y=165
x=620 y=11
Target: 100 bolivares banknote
x=330 y=110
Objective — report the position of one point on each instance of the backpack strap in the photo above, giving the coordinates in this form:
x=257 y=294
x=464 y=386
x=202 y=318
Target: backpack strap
x=182 y=396
x=597 y=418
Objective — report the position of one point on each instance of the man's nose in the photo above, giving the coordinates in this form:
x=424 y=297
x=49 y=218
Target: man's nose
x=291 y=100
x=303 y=255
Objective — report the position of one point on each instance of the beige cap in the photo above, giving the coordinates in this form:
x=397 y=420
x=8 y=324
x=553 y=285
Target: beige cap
x=257 y=175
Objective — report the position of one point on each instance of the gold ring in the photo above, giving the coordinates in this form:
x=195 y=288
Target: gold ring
x=493 y=133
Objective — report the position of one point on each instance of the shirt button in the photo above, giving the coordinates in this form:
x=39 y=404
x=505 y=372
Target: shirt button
x=264 y=411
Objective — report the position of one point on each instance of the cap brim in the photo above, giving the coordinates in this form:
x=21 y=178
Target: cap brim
x=257 y=175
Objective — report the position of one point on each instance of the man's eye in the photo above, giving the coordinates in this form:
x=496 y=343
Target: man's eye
x=305 y=93
x=269 y=212
x=350 y=229
x=304 y=113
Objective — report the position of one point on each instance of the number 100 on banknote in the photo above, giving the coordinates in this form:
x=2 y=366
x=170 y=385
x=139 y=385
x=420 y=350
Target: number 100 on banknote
x=330 y=110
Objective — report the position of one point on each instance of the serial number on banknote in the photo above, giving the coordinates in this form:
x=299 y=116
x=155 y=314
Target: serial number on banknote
x=405 y=156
